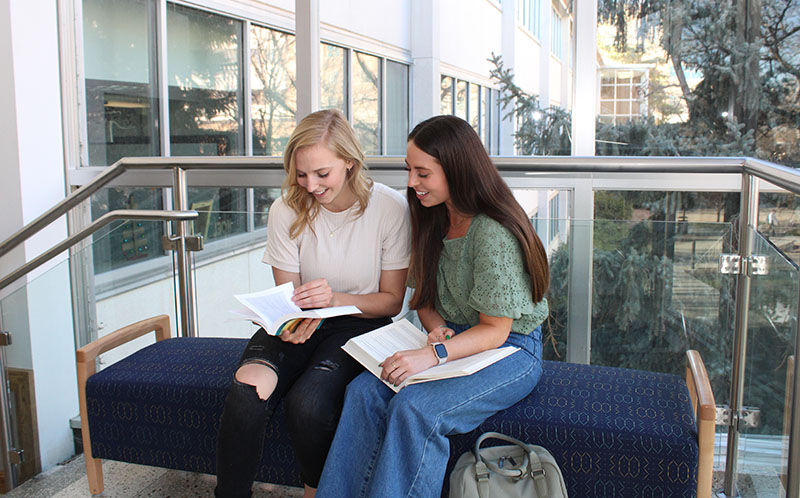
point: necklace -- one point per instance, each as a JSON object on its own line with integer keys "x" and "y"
{"x": 333, "y": 230}
{"x": 464, "y": 220}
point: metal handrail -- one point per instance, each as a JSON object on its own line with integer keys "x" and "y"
{"x": 779, "y": 175}
{"x": 120, "y": 214}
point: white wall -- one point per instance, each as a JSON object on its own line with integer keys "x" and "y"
{"x": 32, "y": 180}
{"x": 470, "y": 32}
{"x": 381, "y": 21}
{"x": 527, "y": 74}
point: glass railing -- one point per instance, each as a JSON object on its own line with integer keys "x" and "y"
{"x": 655, "y": 290}
{"x": 47, "y": 316}
{"x": 770, "y": 344}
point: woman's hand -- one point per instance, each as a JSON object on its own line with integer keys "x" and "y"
{"x": 440, "y": 334}
{"x": 401, "y": 365}
{"x": 314, "y": 294}
{"x": 302, "y": 332}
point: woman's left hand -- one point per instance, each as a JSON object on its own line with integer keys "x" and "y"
{"x": 314, "y": 294}
{"x": 401, "y": 365}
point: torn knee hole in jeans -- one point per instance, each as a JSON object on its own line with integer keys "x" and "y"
{"x": 327, "y": 366}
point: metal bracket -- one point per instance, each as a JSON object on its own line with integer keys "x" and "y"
{"x": 731, "y": 264}
{"x": 749, "y": 417}
{"x": 16, "y": 456}
{"x": 193, "y": 242}
{"x": 5, "y": 338}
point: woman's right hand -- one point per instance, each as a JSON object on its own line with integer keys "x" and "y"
{"x": 314, "y": 294}
{"x": 302, "y": 332}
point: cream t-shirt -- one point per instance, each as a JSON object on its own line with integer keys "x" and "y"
{"x": 349, "y": 251}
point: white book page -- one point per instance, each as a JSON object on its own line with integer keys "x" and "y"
{"x": 463, "y": 366}
{"x": 271, "y": 304}
{"x": 385, "y": 341}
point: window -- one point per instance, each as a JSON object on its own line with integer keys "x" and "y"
{"x": 476, "y": 104}
{"x": 623, "y": 94}
{"x": 366, "y": 102}
{"x": 333, "y": 78}
{"x": 447, "y": 95}
{"x": 205, "y": 84}
{"x": 556, "y": 34}
{"x": 122, "y": 103}
{"x": 528, "y": 13}
{"x": 396, "y": 107}
{"x": 273, "y": 100}
{"x": 207, "y": 72}
{"x": 554, "y": 215}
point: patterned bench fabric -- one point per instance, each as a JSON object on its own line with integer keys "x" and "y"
{"x": 614, "y": 432}
{"x": 161, "y": 406}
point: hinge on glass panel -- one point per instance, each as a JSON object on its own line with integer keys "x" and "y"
{"x": 193, "y": 242}
{"x": 16, "y": 456}
{"x": 749, "y": 417}
{"x": 731, "y": 264}
{"x": 5, "y": 338}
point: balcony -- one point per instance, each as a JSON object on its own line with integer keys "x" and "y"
{"x": 643, "y": 251}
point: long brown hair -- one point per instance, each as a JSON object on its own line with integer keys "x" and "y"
{"x": 331, "y": 128}
{"x": 475, "y": 188}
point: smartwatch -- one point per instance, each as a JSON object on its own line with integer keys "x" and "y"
{"x": 440, "y": 351}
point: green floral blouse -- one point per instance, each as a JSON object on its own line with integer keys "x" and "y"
{"x": 484, "y": 272}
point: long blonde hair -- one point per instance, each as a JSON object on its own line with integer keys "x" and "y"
{"x": 328, "y": 127}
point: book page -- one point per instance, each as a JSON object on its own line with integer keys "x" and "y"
{"x": 463, "y": 366}
{"x": 385, "y": 341}
{"x": 271, "y": 304}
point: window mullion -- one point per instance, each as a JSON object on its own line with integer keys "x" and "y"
{"x": 246, "y": 117}
{"x": 162, "y": 77}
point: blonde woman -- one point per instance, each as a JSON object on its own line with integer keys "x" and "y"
{"x": 342, "y": 240}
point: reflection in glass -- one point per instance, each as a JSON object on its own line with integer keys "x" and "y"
{"x": 219, "y": 211}
{"x": 274, "y": 96}
{"x": 474, "y": 107}
{"x": 461, "y": 99}
{"x": 121, "y": 99}
{"x": 263, "y": 198}
{"x": 333, "y": 84}
{"x": 204, "y": 54}
{"x": 131, "y": 241}
{"x": 366, "y": 102}
{"x": 447, "y": 95}
{"x": 396, "y": 107}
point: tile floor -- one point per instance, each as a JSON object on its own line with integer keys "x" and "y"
{"x": 124, "y": 480}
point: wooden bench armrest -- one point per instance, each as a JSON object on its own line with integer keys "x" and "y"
{"x": 705, "y": 412}
{"x": 87, "y": 365}
{"x": 158, "y": 324}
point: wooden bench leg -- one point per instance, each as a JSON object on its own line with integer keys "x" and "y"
{"x": 86, "y": 366}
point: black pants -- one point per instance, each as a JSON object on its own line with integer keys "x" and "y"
{"x": 312, "y": 378}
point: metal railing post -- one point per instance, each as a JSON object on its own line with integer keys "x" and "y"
{"x": 748, "y": 219}
{"x": 186, "y": 297}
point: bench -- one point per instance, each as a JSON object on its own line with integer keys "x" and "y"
{"x": 614, "y": 432}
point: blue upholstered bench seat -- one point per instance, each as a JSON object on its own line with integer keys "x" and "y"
{"x": 614, "y": 432}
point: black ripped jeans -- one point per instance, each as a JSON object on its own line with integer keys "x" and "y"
{"x": 312, "y": 378}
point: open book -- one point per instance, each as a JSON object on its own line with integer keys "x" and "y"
{"x": 274, "y": 310}
{"x": 372, "y": 348}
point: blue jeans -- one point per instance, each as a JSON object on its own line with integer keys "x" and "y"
{"x": 395, "y": 445}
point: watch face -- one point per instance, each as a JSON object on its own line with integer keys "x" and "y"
{"x": 441, "y": 351}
